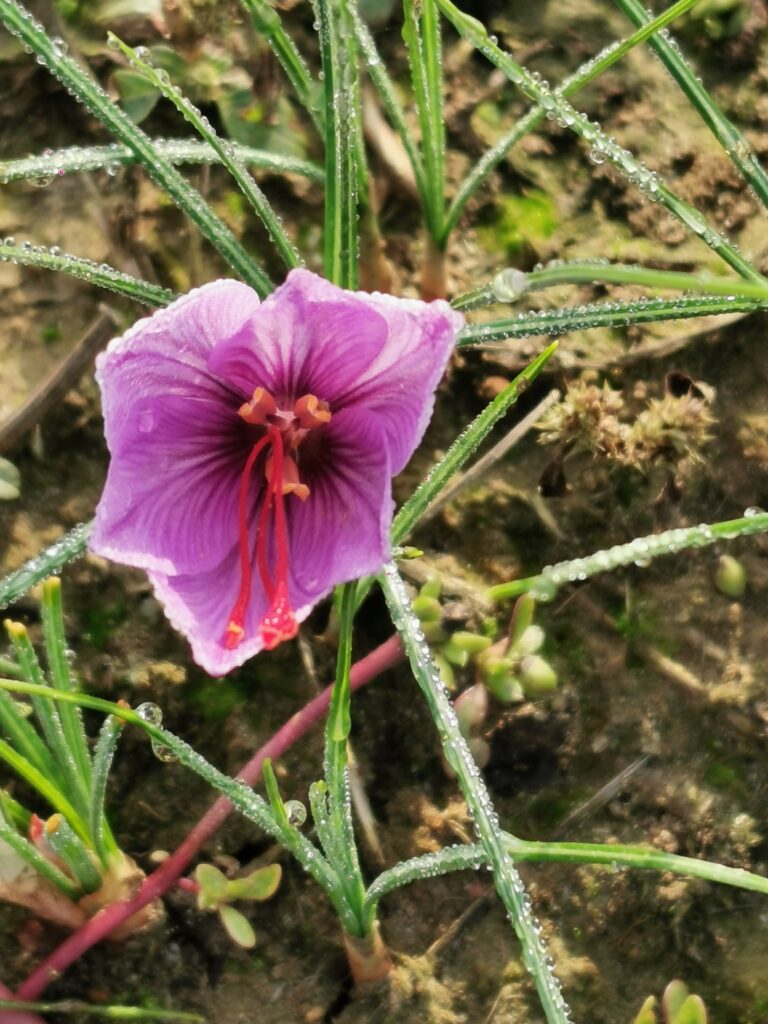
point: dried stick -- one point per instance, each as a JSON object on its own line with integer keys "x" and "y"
{"x": 63, "y": 378}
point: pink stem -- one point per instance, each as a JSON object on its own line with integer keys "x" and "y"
{"x": 384, "y": 657}
{"x": 16, "y": 1016}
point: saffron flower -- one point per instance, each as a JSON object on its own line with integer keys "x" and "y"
{"x": 252, "y": 449}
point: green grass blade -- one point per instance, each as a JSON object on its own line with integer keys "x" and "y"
{"x": 242, "y": 797}
{"x": 472, "y": 856}
{"x": 386, "y": 90}
{"x": 508, "y": 883}
{"x": 44, "y": 784}
{"x": 32, "y": 856}
{"x": 341, "y": 170}
{"x": 76, "y": 159}
{"x": 101, "y": 274}
{"x": 463, "y": 447}
{"x": 23, "y": 737}
{"x": 422, "y": 48}
{"x": 553, "y": 102}
{"x": 48, "y": 561}
{"x": 47, "y": 714}
{"x": 641, "y": 550}
{"x": 603, "y": 314}
{"x": 58, "y": 665}
{"x": 588, "y": 71}
{"x": 337, "y": 728}
{"x": 21, "y": 24}
{"x": 267, "y": 22}
{"x": 83, "y": 1011}
{"x": 733, "y": 141}
{"x": 511, "y": 284}
{"x": 224, "y": 150}
{"x": 101, "y": 837}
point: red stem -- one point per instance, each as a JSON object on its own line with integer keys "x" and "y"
{"x": 383, "y": 657}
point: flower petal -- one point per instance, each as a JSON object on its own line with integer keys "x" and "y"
{"x": 177, "y": 444}
{"x": 342, "y": 531}
{"x": 199, "y": 606}
{"x": 348, "y": 348}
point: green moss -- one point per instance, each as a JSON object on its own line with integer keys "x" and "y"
{"x": 522, "y": 220}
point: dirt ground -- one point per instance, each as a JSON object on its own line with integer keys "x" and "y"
{"x": 656, "y": 665}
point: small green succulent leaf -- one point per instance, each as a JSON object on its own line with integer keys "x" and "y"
{"x": 237, "y": 927}
{"x": 675, "y": 994}
{"x": 213, "y": 886}
{"x": 10, "y": 481}
{"x": 692, "y": 1011}
{"x": 259, "y": 885}
{"x": 647, "y": 1014}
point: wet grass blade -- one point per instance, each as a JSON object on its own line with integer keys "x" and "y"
{"x": 508, "y": 883}
{"x": 224, "y": 150}
{"x": 641, "y": 550}
{"x": 341, "y": 169}
{"x": 32, "y": 856}
{"x": 267, "y": 22}
{"x": 104, "y": 751}
{"x": 21, "y": 24}
{"x": 48, "y": 561}
{"x": 61, "y": 677}
{"x": 588, "y": 72}
{"x": 463, "y": 447}
{"x": 44, "y": 784}
{"x": 100, "y": 274}
{"x": 76, "y": 159}
{"x": 733, "y": 141}
{"x": 603, "y": 314}
{"x": 553, "y": 102}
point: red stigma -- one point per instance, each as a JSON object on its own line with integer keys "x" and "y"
{"x": 284, "y": 433}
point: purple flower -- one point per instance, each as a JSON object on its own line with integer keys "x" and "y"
{"x": 253, "y": 446}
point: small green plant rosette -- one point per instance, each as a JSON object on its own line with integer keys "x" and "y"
{"x": 217, "y": 892}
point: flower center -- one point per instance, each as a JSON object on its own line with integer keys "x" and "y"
{"x": 284, "y": 433}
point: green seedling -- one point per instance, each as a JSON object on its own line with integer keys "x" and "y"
{"x": 217, "y": 892}
{"x": 678, "y": 1006}
{"x": 731, "y": 577}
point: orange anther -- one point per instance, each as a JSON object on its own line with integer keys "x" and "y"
{"x": 311, "y": 412}
{"x": 259, "y": 409}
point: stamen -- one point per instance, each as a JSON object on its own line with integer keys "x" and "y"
{"x": 234, "y": 632}
{"x": 279, "y": 623}
{"x": 259, "y": 409}
{"x": 311, "y": 412}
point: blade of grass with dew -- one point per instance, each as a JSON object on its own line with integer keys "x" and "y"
{"x": 267, "y": 22}
{"x": 464, "y": 445}
{"x": 587, "y": 72}
{"x": 32, "y": 856}
{"x": 61, "y": 677}
{"x": 103, "y": 753}
{"x": 641, "y": 550}
{"x": 10, "y": 668}
{"x": 602, "y": 314}
{"x": 337, "y": 728}
{"x": 472, "y": 857}
{"x": 42, "y": 783}
{"x": 100, "y": 274}
{"x": 422, "y": 49}
{"x": 242, "y": 797}
{"x": 510, "y": 285}
{"x": 23, "y": 737}
{"x": 20, "y": 23}
{"x": 386, "y": 90}
{"x": 341, "y": 171}
{"x": 76, "y": 159}
{"x": 47, "y": 714}
{"x": 733, "y": 141}
{"x": 224, "y": 150}
{"x": 508, "y": 883}
{"x": 625, "y": 162}
{"x": 52, "y": 558}
{"x": 115, "y": 1012}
